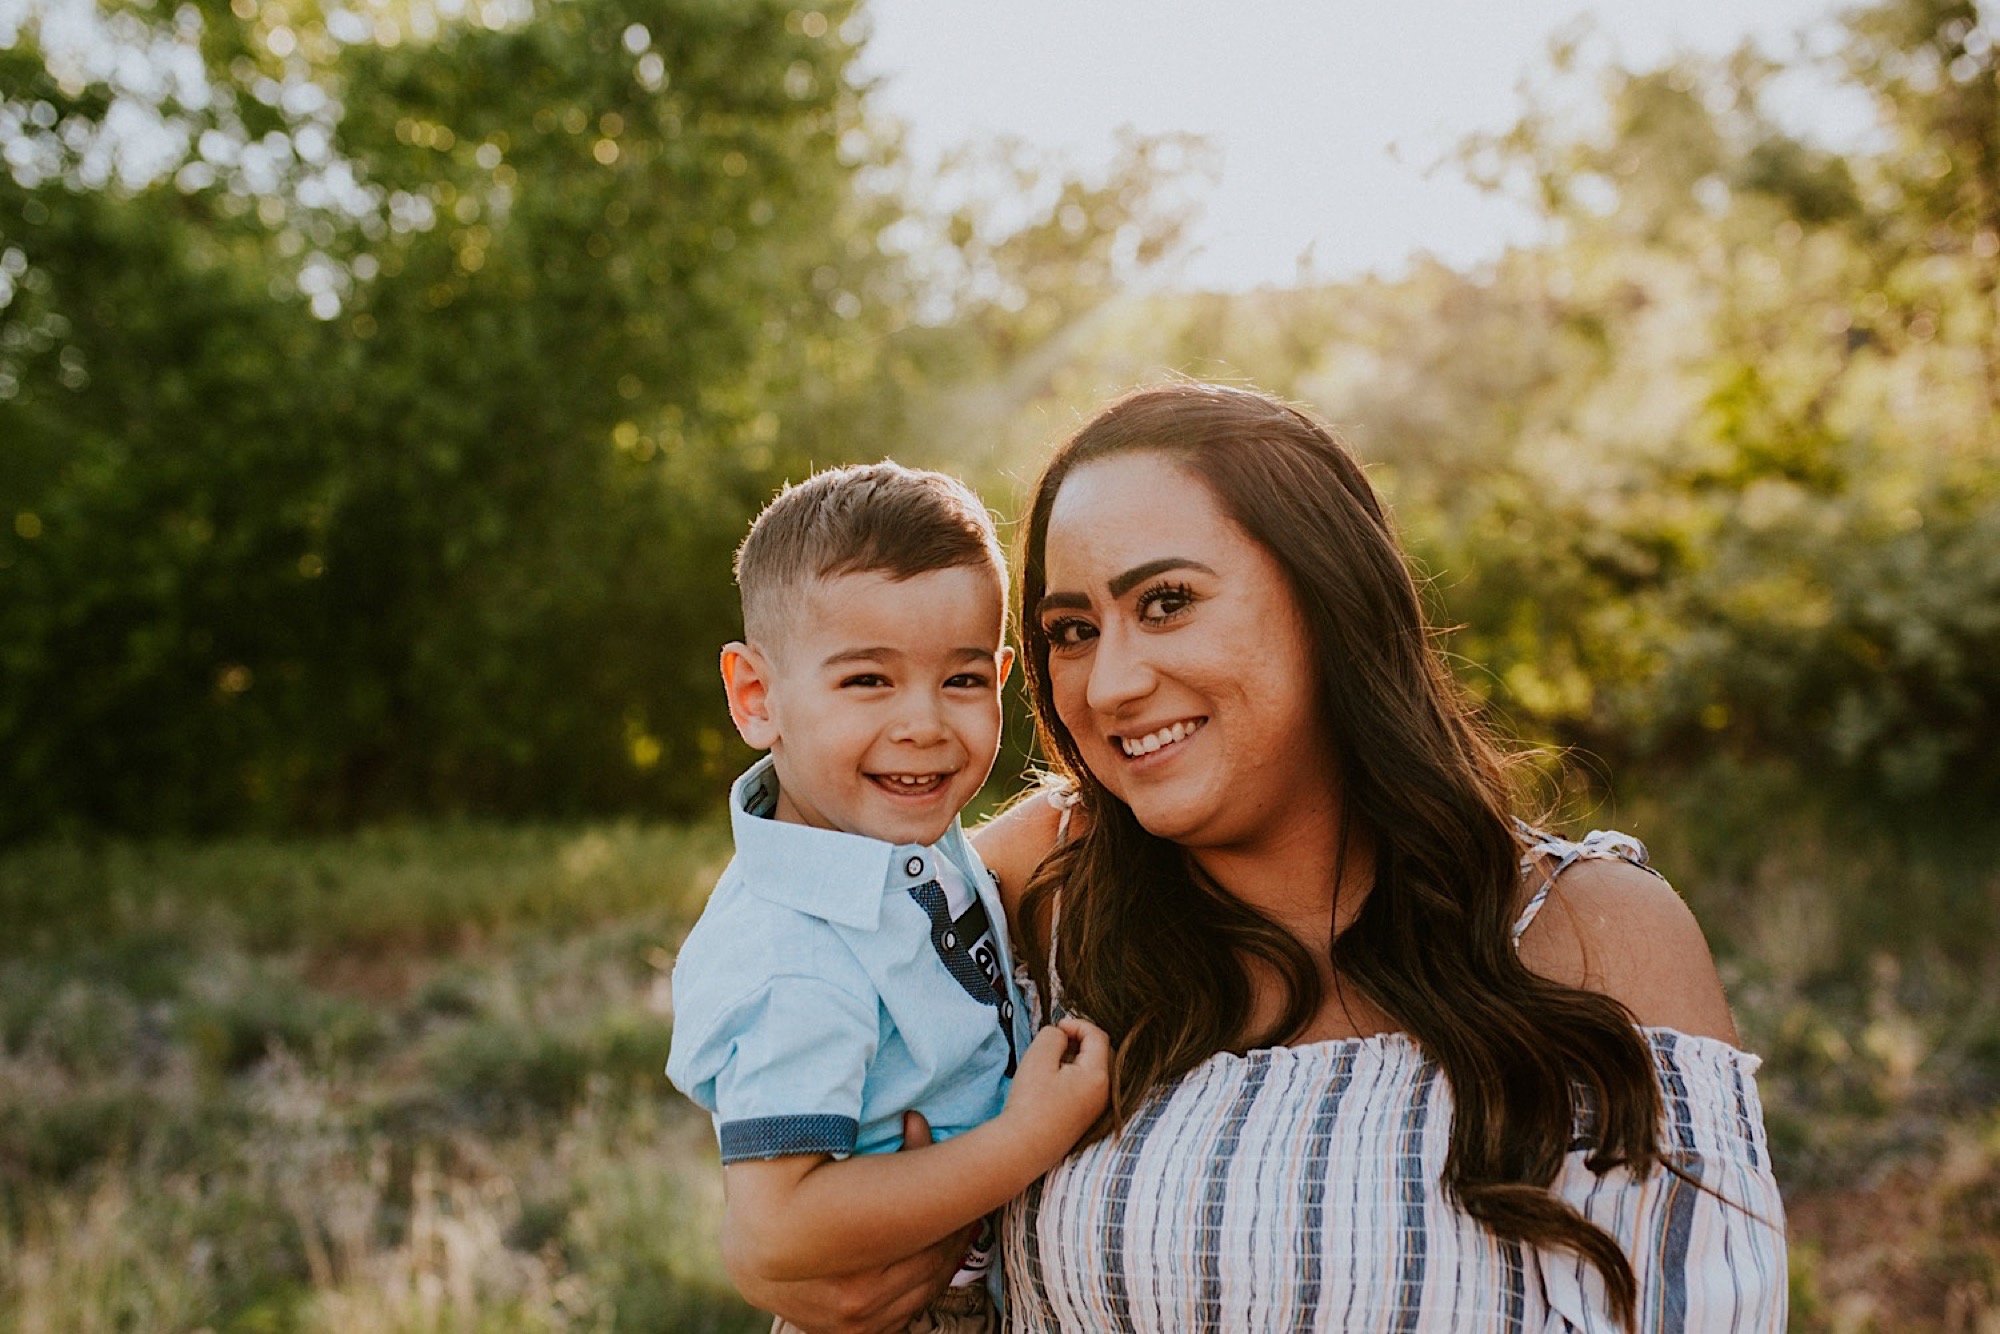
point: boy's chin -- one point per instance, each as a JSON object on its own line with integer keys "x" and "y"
{"x": 893, "y": 826}
{"x": 923, "y": 833}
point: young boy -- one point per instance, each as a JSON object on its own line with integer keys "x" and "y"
{"x": 852, "y": 963}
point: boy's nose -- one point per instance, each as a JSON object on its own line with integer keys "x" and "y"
{"x": 922, "y": 723}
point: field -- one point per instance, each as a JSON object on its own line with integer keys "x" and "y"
{"x": 410, "y": 1079}
{"x": 405, "y": 1081}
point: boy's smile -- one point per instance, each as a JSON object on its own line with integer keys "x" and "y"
{"x": 880, "y": 701}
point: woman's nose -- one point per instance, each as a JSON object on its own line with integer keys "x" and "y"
{"x": 1119, "y": 674}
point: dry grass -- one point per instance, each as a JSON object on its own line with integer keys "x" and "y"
{"x": 219, "y": 1111}
{"x": 411, "y": 1081}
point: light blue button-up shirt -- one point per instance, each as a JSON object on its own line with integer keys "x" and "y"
{"x": 827, "y": 989}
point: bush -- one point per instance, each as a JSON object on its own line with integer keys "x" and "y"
{"x": 241, "y": 1021}
{"x": 503, "y": 1069}
{"x": 63, "y": 1139}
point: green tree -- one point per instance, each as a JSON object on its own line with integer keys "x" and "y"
{"x": 1760, "y": 518}
{"x": 1713, "y": 474}
{"x": 384, "y": 448}
{"x": 384, "y": 396}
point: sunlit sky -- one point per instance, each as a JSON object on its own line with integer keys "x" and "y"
{"x": 1334, "y": 118}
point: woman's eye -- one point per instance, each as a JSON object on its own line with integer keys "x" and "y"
{"x": 1069, "y": 632}
{"x": 967, "y": 681}
{"x": 863, "y": 680}
{"x": 1164, "y": 602}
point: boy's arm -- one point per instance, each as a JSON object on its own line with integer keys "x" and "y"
{"x": 810, "y": 1216}
{"x": 879, "y": 1300}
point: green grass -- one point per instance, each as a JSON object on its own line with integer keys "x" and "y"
{"x": 410, "y": 1079}
{"x": 405, "y": 1080}
{"x": 113, "y": 905}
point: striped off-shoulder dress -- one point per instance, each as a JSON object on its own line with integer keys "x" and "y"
{"x": 1299, "y": 1188}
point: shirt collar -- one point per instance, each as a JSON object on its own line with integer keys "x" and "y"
{"x": 823, "y": 872}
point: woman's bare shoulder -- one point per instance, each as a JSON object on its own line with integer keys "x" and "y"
{"x": 1014, "y": 842}
{"x": 1616, "y": 928}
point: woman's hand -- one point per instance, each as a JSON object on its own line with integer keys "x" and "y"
{"x": 871, "y": 1301}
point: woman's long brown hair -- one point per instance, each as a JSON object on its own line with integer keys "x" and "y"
{"x": 1159, "y": 955}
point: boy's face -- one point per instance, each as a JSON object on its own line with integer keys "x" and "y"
{"x": 880, "y": 701}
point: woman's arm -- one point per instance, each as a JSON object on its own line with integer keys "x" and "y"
{"x": 1706, "y": 1241}
{"x": 1611, "y": 927}
{"x": 1013, "y": 843}
{"x": 873, "y": 1301}
{"x": 865, "y": 1301}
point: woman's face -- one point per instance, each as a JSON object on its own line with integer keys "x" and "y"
{"x": 1178, "y": 660}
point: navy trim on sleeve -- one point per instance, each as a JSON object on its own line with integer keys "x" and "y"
{"x": 779, "y": 1136}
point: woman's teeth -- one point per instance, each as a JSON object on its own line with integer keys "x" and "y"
{"x": 1166, "y": 736}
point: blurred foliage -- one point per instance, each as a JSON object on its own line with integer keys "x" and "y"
{"x": 1751, "y": 503}
{"x": 364, "y": 451}
{"x": 384, "y": 391}
{"x": 287, "y": 1121}
{"x": 218, "y": 1110}
{"x": 1713, "y": 475}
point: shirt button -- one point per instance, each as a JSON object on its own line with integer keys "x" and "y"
{"x": 1006, "y": 1009}
{"x": 950, "y": 941}
{"x": 914, "y": 866}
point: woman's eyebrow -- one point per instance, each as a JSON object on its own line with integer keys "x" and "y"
{"x": 1121, "y": 584}
{"x": 1124, "y": 583}
{"x": 1062, "y": 602}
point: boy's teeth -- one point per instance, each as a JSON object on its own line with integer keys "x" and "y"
{"x": 1152, "y": 741}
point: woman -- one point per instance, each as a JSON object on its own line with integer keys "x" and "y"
{"x": 1385, "y": 1059}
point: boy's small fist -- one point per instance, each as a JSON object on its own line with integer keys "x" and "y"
{"x": 1089, "y": 1046}
{"x": 1063, "y": 1083}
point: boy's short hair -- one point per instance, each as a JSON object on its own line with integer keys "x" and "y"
{"x": 867, "y": 518}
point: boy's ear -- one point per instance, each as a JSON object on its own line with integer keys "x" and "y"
{"x": 1005, "y": 662}
{"x": 746, "y": 680}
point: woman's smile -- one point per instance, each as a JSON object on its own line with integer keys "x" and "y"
{"x": 1139, "y": 745}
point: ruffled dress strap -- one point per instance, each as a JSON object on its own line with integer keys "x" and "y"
{"x": 1598, "y": 843}
{"x": 1064, "y": 800}
{"x": 1064, "y": 796}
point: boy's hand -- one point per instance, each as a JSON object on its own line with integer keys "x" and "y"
{"x": 1062, "y": 1086}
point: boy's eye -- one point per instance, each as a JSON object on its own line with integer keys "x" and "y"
{"x": 1069, "y": 631}
{"x": 968, "y": 681}
{"x": 863, "y": 680}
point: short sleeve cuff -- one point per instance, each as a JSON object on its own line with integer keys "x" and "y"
{"x": 781, "y": 1136}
